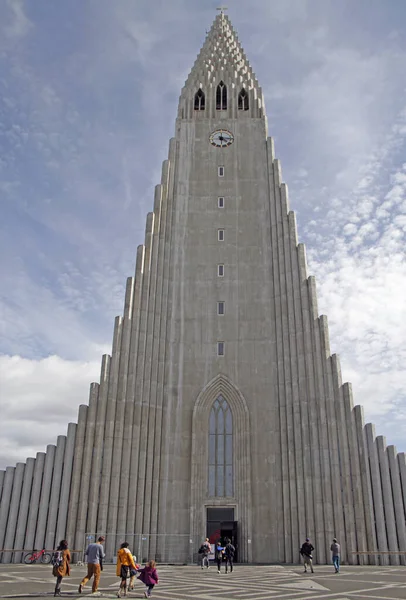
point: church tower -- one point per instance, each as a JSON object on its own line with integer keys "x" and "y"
{"x": 221, "y": 409}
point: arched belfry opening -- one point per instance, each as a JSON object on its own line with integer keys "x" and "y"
{"x": 200, "y": 100}
{"x": 221, "y": 460}
{"x": 221, "y": 96}
{"x": 243, "y": 101}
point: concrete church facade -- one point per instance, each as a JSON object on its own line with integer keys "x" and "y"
{"x": 220, "y": 407}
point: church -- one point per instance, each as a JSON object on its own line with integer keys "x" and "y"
{"x": 221, "y": 411}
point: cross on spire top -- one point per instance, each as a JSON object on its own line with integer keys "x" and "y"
{"x": 222, "y": 9}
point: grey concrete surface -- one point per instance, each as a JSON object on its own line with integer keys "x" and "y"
{"x": 246, "y": 582}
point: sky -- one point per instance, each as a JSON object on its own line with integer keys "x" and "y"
{"x": 88, "y": 100}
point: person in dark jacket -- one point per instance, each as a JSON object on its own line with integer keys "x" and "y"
{"x": 306, "y": 551}
{"x": 149, "y": 576}
{"x": 218, "y": 555}
{"x": 229, "y": 552}
{"x": 62, "y": 569}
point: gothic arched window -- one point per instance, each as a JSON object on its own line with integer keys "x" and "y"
{"x": 243, "y": 103}
{"x": 221, "y": 96}
{"x": 220, "y": 449}
{"x": 200, "y": 102}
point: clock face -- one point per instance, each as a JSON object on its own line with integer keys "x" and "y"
{"x": 221, "y": 138}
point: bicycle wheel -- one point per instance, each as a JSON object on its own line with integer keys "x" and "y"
{"x": 29, "y": 558}
{"x": 46, "y": 558}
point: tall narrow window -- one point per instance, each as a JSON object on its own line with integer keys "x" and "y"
{"x": 220, "y": 235}
{"x": 221, "y": 202}
{"x": 220, "y": 270}
{"x": 220, "y": 308}
{"x": 220, "y": 449}
{"x": 221, "y": 171}
{"x": 220, "y": 348}
{"x": 200, "y": 101}
{"x": 243, "y": 103}
{"x": 221, "y": 96}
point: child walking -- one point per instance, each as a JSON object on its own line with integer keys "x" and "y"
{"x": 126, "y": 568}
{"x": 149, "y": 576}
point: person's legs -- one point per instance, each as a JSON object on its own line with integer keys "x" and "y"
{"x": 219, "y": 564}
{"x": 96, "y": 577}
{"x": 231, "y": 563}
{"x": 88, "y": 576}
{"x": 311, "y": 564}
{"x": 305, "y": 562}
{"x": 58, "y": 586}
{"x": 150, "y": 588}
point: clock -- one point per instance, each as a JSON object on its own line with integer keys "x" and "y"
{"x": 221, "y": 138}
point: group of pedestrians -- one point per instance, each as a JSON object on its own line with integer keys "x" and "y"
{"x": 307, "y": 554}
{"x": 127, "y": 568}
{"x": 221, "y": 554}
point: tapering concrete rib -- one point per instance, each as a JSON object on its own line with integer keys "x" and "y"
{"x": 86, "y": 474}
{"x": 5, "y": 502}
{"x": 120, "y": 416}
{"x": 50, "y": 541}
{"x": 76, "y": 473}
{"x": 397, "y": 501}
{"x": 402, "y": 471}
{"x": 2, "y": 474}
{"x": 13, "y": 512}
{"x": 167, "y": 183}
{"x": 102, "y": 514}
{"x": 347, "y": 540}
{"x": 134, "y": 416}
{"x": 377, "y": 493}
{"x": 93, "y": 500}
{"x": 66, "y": 482}
{"x": 371, "y": 543}
{"x": 277, "y": 253}
{"x": 143, "y": 402}
{"x": 23, "y": 509}
{"x": 44, "y": 499}
{"x": 34, "y": 501}
{"x": 387, "y": 499}
{"x": 151, "y": 364}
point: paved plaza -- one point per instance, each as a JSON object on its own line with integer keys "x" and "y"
{"x": 247, "y": 582}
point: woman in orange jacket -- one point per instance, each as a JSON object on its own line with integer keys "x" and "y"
{"x": 126, "y": 567}
{"x": 61, "y": 565}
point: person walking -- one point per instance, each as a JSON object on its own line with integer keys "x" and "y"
{"x": 125, "y": 568}
{"x": 61, "y": 565}
{"x": 336, "y": 550}
{"x": 218, "y": 555}
{"x": 306, "y": 551}
{"x": 95, "y": 555}
{"x": 229, "y": 552}
{"x": 205, "y": 550}
{"x": 149, "y": 576}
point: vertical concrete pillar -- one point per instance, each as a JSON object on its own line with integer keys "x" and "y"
{"x": 34, "y": 502}
{"x": 109, "y": 430}
{"x": 387, "y": 499}
{"x": 2, "y": 474}
{"x": 86, "y": 475}
{"x": 397, "y": 501}
{"x": 382, "y": 540}
{"x": 13, "y": 511}
{"x": 66, "y": 483}
{"x": 24, "y": 506}
{"x": 76, "y": 474}
{"x": 50, "y": 541}
{"x": 402, "y": 471}
{"x": 97, "y": 460}
{"x": 366, "y": 486}
{"x": 44, "y": 499}
{"x": 5, "y": 502}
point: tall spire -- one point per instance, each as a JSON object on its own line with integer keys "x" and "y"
{"x": 222, "y": 58}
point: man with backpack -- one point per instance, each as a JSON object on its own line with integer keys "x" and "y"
{"x": 306, "y": 551}
{"x": 229, "y": 552}
{"x": 204, "y": 551}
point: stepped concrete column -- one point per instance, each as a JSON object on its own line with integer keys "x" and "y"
{"x": 44, "y": 500}
{"x": 66, "y": 482}
{"x": 34, "y": 501}
{"x": 397, "y": 501}
{"x": 13, "y": 511}
{"x": 402, "y": 471}
{"x": 50, "y": 541}
{"x": 24, "y": 506}
{"x": 76, "y": 474}
{"x": 387, "y": 499}
{"x": 5, "y": 502}
{"x": 2, "y": 473}
{"x": 382, "y": 540}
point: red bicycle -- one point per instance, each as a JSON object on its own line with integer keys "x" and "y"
{"x": 32, "y": 557}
